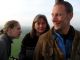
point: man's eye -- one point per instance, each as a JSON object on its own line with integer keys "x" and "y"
{"x": 60, "y": 14}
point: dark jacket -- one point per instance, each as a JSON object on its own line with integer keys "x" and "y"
{"x": 47, "y": 49}
{"x": 27, "y": 47}
{"x": 5, "y": 47}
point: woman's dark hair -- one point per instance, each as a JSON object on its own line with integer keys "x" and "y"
{"x": 68, "y": 6}
{"x": 9, "y": 24}
{"x": 36, "y": 19}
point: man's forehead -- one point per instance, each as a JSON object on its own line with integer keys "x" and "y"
{"x": 58, "y": 7}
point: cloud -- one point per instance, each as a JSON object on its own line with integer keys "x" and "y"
{"x": 25, "y": 10}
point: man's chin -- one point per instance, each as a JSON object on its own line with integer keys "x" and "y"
{"x": 57, "y": 28}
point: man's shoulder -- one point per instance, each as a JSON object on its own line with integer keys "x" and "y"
{"x": 77, "y": 32}
{"x": 45, "y": 35}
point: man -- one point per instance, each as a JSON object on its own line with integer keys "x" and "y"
{"x": 61, "y": 42}
{"x": 11, "y": 30}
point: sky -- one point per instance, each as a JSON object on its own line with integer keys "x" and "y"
{"x": 24, "y": 11}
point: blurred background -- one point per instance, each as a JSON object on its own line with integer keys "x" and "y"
{"x": 24, "y": 11}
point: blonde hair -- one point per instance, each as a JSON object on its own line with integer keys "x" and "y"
{"x": 10, "y": 24}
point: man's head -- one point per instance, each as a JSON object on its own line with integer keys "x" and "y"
{"x": 62, "y": 13}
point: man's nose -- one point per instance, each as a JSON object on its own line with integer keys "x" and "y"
{"x": 40, "y": 25}
{"x": 54, "y": 19}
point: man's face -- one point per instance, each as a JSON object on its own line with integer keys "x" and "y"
{"x": 60, "y": 18}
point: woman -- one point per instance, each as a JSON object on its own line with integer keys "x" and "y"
{"x": 39, "y": 26}
{"x": 10, "y": 31}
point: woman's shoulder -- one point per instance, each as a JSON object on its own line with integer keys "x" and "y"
{"x": 27, "y": 37}
{"x": 2, "y": 39}
{"x": 3, "y": 36}
{"x": 27, "y": 34}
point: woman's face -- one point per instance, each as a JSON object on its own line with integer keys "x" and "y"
{"x": 40, "y": 26}
{"x": 16, "y": 31}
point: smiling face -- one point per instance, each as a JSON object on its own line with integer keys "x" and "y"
{"x": 60, "y": 18}
{"x": 40, "y": 25}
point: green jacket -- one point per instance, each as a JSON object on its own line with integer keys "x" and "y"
{"x": 46, "y": 47}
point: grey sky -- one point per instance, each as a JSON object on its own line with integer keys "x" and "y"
{"x": 25, "y": 10}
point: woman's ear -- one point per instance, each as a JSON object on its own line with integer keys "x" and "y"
{"x": 9, "y": 30}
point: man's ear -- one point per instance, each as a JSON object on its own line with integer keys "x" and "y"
{"x": 70, "y": 15}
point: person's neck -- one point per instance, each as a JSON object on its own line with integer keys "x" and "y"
{"x": 65, "y": 30}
